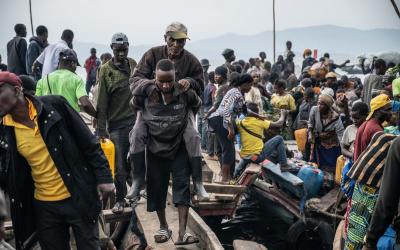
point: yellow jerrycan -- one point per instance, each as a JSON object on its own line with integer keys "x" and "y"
{"x": 109, "y": 150}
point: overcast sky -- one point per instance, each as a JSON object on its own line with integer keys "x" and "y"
{"x": 144, "y": 21}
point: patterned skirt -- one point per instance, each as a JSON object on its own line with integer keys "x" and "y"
{"x": 362, "y": 206}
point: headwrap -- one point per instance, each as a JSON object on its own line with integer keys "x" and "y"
{"x": 10, "y": 78}
{"x": 378, "y": 102}
{"x": 328, "y": 91}
{"x": 326, "y": 99}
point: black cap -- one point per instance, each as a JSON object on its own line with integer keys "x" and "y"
{"x": 68, "y": 54}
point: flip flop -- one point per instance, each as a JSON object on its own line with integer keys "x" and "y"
{"x": 187, "y": 239}
{"x": 118, "y": 208}
{"x": 162, "y": 235}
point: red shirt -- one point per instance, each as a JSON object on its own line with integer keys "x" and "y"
{"x": 364, "y": 135}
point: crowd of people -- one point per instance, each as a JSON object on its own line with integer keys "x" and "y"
{"x": 164, "y": 112}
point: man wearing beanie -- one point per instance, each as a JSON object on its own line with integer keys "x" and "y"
{"x": 52, "y": 169}
{"x": 115, "y": 118}
{"x": 229, "y": 56}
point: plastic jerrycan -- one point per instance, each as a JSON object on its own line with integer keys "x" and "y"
{"x": 312, "y": 178}
{"x": 109, "y": 150}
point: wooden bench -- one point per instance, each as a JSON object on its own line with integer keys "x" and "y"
{"x": 285, "y": 180}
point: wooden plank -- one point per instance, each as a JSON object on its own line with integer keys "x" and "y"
{"x": 109, "y": 216}
{"x": 207, "y": 173}
{"x": 328, "y": 200}
{"x": 224, "y": 188}
{"x": 223, "y": 197}
{"x": 212, "y": 164}
{"x": 244, "y": 244}
{"x": 149, "y": 223}
{"x": 203, "y": 231}
{"x": 196, "y": 226}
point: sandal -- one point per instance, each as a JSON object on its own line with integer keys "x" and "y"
{"x": 187, "y": 240}
{"x": 118, "y": 208}
{"x": 162, "y": 235}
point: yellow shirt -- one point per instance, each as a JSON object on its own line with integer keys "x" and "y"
{"x": 283, "y": 102}
{"x": 48, "y": 183}
{"x": 251, "y": 145}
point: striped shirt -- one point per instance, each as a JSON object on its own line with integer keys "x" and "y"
{"x": 230, "y": 107}
{"x": 368, "y": 169}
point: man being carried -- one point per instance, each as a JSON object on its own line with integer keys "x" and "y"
{"x": 251, "y": 130}
{"x": 165, "y": 108}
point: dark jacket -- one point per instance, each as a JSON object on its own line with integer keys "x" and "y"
{"x": 113, "y": 110}
{"x": 76, "y": 154}
{"x": 165, "y": 122}
{"x": 35, "y": 48}
{"x": 16, "y": 55}
{"x": 187, "y": 66}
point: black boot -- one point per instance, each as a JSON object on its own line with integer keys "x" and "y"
{"x": 197, "y": 175}
{"x": 138, "y": 169}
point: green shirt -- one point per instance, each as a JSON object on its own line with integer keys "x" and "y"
{"x": 114, "y": 95}
{"x": 65, "y": 83}
{"x": 396, "y": 87}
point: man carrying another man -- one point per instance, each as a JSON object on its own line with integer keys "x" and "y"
{"x": 165, "y": 108}
{"x": 189, "y": 75}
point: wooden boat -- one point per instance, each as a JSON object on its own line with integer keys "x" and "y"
{"x": 222, "y": 203}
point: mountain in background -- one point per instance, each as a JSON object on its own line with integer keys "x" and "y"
{"x": 341, "y": 42}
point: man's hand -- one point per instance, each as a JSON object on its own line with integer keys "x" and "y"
{"x": 184, "y": 84}
{"x": 104, "y": 189}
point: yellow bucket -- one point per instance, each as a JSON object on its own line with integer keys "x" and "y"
{"x": 301, "y": 139}
{"x": 109, "y": 150}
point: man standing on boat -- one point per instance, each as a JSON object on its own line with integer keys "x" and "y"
{"x": 164, "y": 107}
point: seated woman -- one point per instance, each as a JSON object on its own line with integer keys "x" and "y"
{"x": 222, "y": 122}
{"x": 251, "y": 130}
{"x": 325, "y": 130}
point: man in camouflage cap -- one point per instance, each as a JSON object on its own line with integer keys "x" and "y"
{"x": 188, "y": 75}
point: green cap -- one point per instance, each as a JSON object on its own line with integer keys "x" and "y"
{"x": 177, "y": 31}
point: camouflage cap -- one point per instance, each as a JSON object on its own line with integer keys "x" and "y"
{"x": 177, "y": 31}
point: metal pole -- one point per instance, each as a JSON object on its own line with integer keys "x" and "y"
{"x": 30, "y": 12}
{"x": 273, "y": 22}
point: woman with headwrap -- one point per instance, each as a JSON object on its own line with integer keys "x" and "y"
{"x": 325, "y": 130}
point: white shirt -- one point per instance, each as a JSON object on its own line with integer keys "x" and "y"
{"x": 49, "y": 56}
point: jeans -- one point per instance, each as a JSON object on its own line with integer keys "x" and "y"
{"x": 273, "y": 146}
{"x": 120, "y": 138}
{"x": 53, "y": 219}
{"x": 89, "y": 84}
